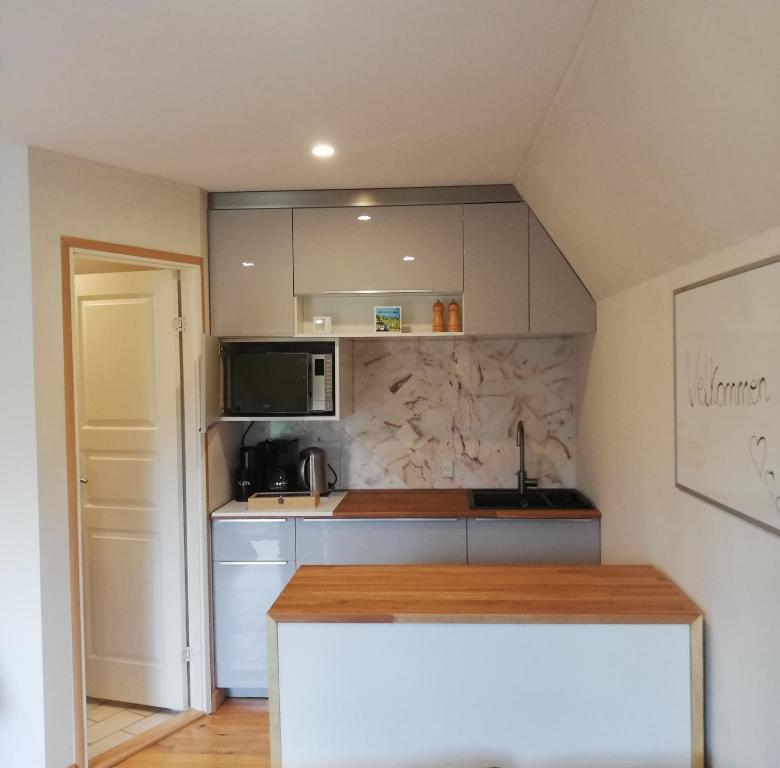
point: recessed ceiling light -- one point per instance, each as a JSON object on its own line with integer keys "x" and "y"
{"x": 407, "y": 257}
{"x": 322, "y": 150}
{"x": 364, "y": 217}
{"x": 247, "y": 263}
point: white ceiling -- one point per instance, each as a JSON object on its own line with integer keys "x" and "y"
{"x": 231, "y": 95}
{"x": 663, "y": 144}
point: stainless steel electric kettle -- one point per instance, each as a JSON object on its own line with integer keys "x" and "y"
{"x": 313, "y": 470}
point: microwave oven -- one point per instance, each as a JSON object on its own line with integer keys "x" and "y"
{"x": 277, "y": 379}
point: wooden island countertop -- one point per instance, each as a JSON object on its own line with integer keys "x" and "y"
{"x": 513, "y": 594}
{"x": 433, "y": 503}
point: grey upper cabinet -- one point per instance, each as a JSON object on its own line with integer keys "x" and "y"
{"x": 335, "y": 251}
{"x": 560, "y": 303}
{"x": 251, "y": 300}
{"x": 495, "y": 266}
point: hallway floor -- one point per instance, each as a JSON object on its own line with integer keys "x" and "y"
{"x": 236, "y": 736}
{"x": 110, "y": 723}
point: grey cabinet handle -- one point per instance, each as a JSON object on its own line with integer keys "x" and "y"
{"x": 380, "y": 519}
{"x": 370, "y": 291}
{"x": 252, "y": 562}
{"x": 530, "y": 519}
{"x": 250, "y": 519}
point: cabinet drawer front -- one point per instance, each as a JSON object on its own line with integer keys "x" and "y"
{"x": 243, "y": 593}
{"x": 380, "y": 542}
{"x": 534, "y": 541}
{"x": 253, "y": 540}
{"x": 334, "y": 251}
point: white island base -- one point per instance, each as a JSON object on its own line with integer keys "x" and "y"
{"x": 473, "y": 695}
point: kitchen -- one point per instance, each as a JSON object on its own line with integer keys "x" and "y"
{"x": 582, "y": 354}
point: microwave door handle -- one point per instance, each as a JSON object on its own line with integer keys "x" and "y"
{"x": 309, "y": 384}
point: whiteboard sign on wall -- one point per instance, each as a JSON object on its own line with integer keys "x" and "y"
{"x": 727, "y": 391}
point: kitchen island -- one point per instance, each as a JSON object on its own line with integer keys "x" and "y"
{"x": 433, "y": 666}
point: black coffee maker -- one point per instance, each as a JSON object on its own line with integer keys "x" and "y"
{"x": 271, "y": 466}
{"x": 279, "y": 459}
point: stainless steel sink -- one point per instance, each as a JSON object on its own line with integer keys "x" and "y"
{"x": 539, "y": 498}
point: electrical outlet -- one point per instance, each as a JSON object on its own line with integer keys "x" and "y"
{"x": 447, "y": 470}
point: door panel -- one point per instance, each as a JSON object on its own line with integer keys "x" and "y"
{"x": 131, "y": 492}
{"x": 117, "y": 362}
{"x": 120, "y": 480}
{"x": 111, "y": 556}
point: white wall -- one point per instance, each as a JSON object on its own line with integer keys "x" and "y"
{"x": 88, "y": 200}
{"x": 625, "y": 450}
{"x": 21, "y": 670}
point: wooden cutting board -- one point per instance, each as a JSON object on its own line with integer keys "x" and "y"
{"x": 263, "y": 501}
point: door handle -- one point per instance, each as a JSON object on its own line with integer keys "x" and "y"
{"x": 83, "y": 480}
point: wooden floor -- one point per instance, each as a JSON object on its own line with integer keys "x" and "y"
{"x": 234, "y": 737}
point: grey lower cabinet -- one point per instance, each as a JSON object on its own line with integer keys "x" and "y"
{"x": 254, "y": 559}
{"x": 252, "y": 562}
{"x": 534, "y": 541}
{"x": 380, "y": 542}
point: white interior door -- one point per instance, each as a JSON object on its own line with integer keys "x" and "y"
{"x": 131, "y": 487}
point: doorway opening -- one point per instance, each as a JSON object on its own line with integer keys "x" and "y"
{"x": 136, "y": 480}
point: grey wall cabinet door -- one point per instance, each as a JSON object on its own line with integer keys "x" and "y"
{"x": 495, "y": 268}
{"x": 335, "y": 251}
{"x": 253, "y": 560}
{"x": 534, "y": 541}
{"x": 251, "y": 300}
{"x": 560, "y": 303}
{"x": 243, "y": 593}
{"x": 380, "y": 542}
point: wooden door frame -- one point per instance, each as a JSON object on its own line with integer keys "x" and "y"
{"x": 191, "y": 268}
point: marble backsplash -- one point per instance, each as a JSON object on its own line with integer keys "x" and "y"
{"x": 419, "y": 403}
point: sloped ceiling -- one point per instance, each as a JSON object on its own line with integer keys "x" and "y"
{"x": 232, "y": 95}
{"x": 663, "y": 143}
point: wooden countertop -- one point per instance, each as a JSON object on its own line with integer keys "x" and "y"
{"x": 513, "y": 594}
{"x": 439, "y": 503}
